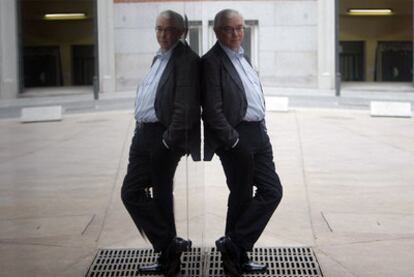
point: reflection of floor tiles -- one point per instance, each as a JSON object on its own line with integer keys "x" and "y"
{"x": 371, "y": 223}
{"x": 44, "y": 226}
{"x": 282, "y": 262}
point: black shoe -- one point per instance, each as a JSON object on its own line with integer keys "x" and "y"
{"x": 173, "y": 256}
{"x": 230, "y": 256}
{"x": 253, "y": 267}
{"x": 169, "y": 262}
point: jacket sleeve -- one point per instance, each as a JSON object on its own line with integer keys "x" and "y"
{"x": 186, "y": 104}
{"x": 212, "y": 102}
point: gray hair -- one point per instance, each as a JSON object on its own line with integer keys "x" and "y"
{"x": 176, "y": 18}
{"x": 221, "y": 15}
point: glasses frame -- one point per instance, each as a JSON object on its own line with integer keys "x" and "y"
{"x": 230, "y": 30}
{"x": 168, "y": 30}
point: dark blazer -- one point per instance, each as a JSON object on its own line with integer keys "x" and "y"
{"x": 223, "y": 100}
{"x": 177, "y": 102}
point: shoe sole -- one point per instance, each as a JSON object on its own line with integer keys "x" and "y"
{"x": 141, "y": 270}
{"x": 254, "y": 271}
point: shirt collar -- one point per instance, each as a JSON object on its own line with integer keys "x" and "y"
{"x": 162, "y": 54}
{"x": 231, "y": 53}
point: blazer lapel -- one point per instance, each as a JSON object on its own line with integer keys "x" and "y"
{"x": 170, "y": 65}
{"x": 166, "y": 73}
{"x": 229, "y": 66}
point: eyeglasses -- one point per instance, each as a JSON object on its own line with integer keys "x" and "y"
{"x": 168, "y": 30}
{"x": 230, "y": 30}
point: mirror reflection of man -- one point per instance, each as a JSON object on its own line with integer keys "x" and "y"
{"x": 167, "y": 114}
{"x": 233, "y": 114}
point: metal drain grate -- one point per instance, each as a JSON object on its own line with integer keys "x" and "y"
{"x": 124, "y": 262}
{"x": 282, "y": 262}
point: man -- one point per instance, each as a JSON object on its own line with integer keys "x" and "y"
{"x": 233, "y": 114}
{"x": 167, "y": 113}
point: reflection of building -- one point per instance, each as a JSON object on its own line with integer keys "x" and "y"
{"x": 56, "y": 52}
{"x": 291, "y": 42}
{"x": 376, "y": 48}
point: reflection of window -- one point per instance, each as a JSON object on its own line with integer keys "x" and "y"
{"x": 42, "y": 66}
{"x": 83, "y": 64}
{"x": 352, "y": 60}
{"x": 394, "y": 61}
{"x": 194, "y": 36}
{"x": 250, "y": 41}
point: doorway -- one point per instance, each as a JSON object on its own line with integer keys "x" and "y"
{"x": 375, "y": 49}
{"x": 57, "y": 45}
{"x": 394, "y": 61}
{"x": 352, "y": 60}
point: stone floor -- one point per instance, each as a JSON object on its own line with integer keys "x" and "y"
{"x": 347, "y": 180}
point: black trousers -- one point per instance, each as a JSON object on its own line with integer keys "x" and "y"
{"x": 248, "y": 165}
{"x": 147, "y": 190}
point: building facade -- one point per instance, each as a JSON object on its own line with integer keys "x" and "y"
{"x": 291, "y": 43}
{"x": 281, "y": 38}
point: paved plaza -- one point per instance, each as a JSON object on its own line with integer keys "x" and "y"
{"x": 348, "y": 192}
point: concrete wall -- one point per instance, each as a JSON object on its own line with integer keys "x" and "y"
{"x": 8, "y": 50}
{"x": 106, "y": 42}
{"x": 287, "y": 38}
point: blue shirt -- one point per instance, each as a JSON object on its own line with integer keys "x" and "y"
{"x": 251, "y": 84}
{"x": 146, "y": 92}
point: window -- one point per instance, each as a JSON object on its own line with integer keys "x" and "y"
{"x": 42, "y": 66}
{"x": 83, "y": 64}
{"x": 352, "y": 60}
{"x": 394, "y": 61}
{"x": 195, "y": 35}
{"x": 250, "y": 42}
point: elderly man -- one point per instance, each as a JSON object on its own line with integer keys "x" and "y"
{"x": 167, "y": 114}
{"x": 233, "y": 114}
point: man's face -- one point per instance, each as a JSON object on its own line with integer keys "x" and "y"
{"x": 167, "y": 33}
{"x": 231, "y": 32}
